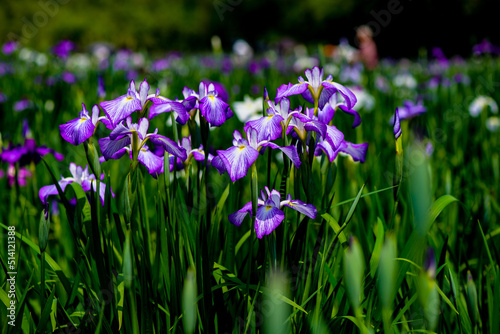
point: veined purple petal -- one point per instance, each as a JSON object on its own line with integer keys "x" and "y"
{"x": 169, "y": 145}
{"x": 95, "y": 114}
{"x": 237, "y": 217}
{"x": 110, "y": 148}
{"x": 267, "y": 127}
{"x": 334, "y": 136}
{"x": 120, "y": 108}
{"x": 267, "y": 219}
{"x": 274, "y": 197}
{"x": 151, "y": 161}
{"x": 324, "y": 96}
{"x": 77, "y": 131}
{"x": 289, "y": 90}
{"x": 214, "y": 110}
{"x": 357, "y": 118}
{"x": 307, "y": 209}
{"x": 237, "y": 160}
{"x": 356, "y": 151}
{"x": 290, "y": 151}
{"x": 326, "y": 147}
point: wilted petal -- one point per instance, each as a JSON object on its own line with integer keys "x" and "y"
{"x": 237, "y": 217}
{"x": 267, "y": 219}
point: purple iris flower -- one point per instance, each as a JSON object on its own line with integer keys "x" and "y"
{"x": 82, "y": 128}
{"x": 485, "y": 47}
{"x": 22, "y": 105}
{"x": 162, "y": 104}
{"x": 27, "y": 153}
{"x": 315, "y": 88}
{"x": 269, "y": 214}
{"x": 211, "y": 106}
{"x": 63, "y": 49}
{"x": 120, "y": 141}
{"x": 9, "y": 47}
{"x": 123, "y": 106}
{"x": 221, "y": 90}
{"x": 78, "y": 175}
{"x": 238, "y": 159}
{"x": 410, "y": 109}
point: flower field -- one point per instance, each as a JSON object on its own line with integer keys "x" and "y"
{"x": 228, "y": 193}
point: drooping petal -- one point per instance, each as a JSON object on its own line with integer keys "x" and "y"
{"x": 347, "y": 94}
{"x": 237, "y": 160}
{"x": 290, "y": 151}
{"x": 110, "y": 148}
{"x": 120, "y": 108}
{"x": 169, "y": 145}
{"x": 289, "y": 90}
{"x": 325, "y": 146}
{"x": 357, "y": 118}
{"x": 237, "y": 217}
{"x": 161, "y": 106}
{"x": 218, "y": 163}
{"x": 334, "y": 136}
{"x": 307, "y": 209}
{"x": 77, "y": 131}
{"x": 356, "y": 151}
{"x": 46, "y": 191}
{"x": 267, "y": 127}
{"x": 151, "y": 161}
{"x": 267, "y": 219}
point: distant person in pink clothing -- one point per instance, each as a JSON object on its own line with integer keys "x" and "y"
{"x": 367, "y": 48}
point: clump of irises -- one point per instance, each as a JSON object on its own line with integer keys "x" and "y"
{"x": 301, "y": 133}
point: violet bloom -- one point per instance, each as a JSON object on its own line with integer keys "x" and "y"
{"x": 238, "y": 159}
{"x": 269, "y": 214}
{"x": 27, "y": 153}
{"x": 410, "y": 110}
{"x": 211, "y": 106}
{"x": 63, "y": 49}
{"x": 197, "y": 153}
{"x": 9, "y": 47}
{"x": 82, "y": 128}
{"x": 303, "y": 123}
{"x": 78, "y": 175}
{"x": 485, "y": 47}
{"x": 121, "y": 141}
{"x": 101, "y": 92}
{"x": 317, "y": 89}
{"x": 68, "y": 77}
{"x": 22, "y": 105}
{"x": 123, "y": 106}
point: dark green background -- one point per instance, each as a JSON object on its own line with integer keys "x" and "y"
{"x": 187, "y": 25}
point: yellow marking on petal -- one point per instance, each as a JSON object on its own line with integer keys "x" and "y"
{"x": 143, "y": 149}
{"x": 291, "y": 204}
{"x": 129, "y": 98}
{"x": 269, "y": 117}
{"x": 268, "y": 207}
{"x": 241, "y": 147}
{"x": 83, "y": 119}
